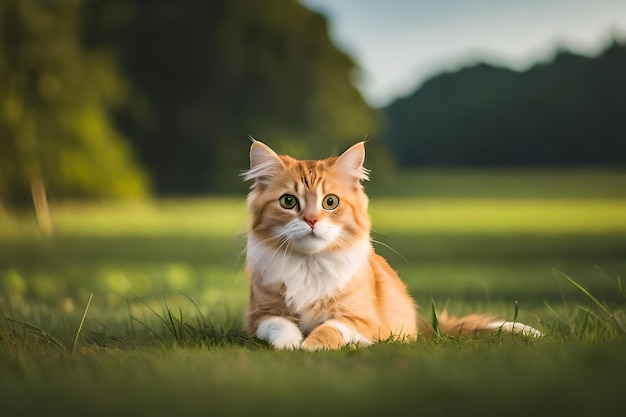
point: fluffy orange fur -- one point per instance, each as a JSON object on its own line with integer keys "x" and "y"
{"x": 315, "y": 281}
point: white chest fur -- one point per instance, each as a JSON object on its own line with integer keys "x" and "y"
{"x": 307, "y": 278}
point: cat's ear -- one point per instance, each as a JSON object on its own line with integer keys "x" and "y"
{"x": 351, "y": 162}
{"x": 264, "y": 163}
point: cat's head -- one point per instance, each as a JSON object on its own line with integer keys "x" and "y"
{"x": 308, "y": 206}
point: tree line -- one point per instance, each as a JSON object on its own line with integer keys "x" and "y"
{"x": 567, "y": 112}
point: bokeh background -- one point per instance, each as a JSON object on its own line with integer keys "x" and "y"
{"x": 118, "y": 99}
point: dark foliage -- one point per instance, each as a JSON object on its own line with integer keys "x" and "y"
{"x": 206, "y": 74}
{"x": 569, "y": 112}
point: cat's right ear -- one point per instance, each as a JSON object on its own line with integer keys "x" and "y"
{"x": 264, "y": 164}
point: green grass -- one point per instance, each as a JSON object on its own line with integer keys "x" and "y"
{"x": 163, "y": 334}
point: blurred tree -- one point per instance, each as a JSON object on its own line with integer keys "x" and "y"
{"x": 55, "y": 96}
{"x": 564, "y": 113}
{"x": 207, "y": 73}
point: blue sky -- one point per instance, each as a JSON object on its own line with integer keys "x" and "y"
{"x": 400, "y": 43}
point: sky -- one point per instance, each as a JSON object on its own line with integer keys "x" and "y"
{"x": 398, "y": 44}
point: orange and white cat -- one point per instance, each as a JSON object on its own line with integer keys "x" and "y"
{"x": 315, "y": 281}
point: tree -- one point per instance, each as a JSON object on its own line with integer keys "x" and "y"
{"x": 55, "y": 102}
{"x": 207, "y": 73}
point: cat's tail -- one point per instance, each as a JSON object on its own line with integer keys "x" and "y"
{"x": 475, "y": 323}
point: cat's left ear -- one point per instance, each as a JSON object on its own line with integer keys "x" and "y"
{"x": 351, "y": 162}
{"x": 264, "y": 163}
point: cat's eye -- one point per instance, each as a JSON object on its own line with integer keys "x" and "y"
{"x": 330, "y": 202}
{"x": 288, "y": 201}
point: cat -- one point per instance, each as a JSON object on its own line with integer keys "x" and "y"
{"x": 316, "y": 282}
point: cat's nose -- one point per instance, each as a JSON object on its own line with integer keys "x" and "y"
{"x": 310, "y": 221}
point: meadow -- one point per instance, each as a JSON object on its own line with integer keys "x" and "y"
{"x": 135, "y": 308}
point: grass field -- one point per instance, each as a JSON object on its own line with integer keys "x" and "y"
{"x": 162, "y": 334}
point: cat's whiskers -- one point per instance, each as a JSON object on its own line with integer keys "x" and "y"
{"x": 283, "y": 247}
{"x": 346, "y": 240}
{"x": 265, "y": 243}
{"x": 271, "y": 241}
{"x": 250, "y": 250}
{"x": 284, "y": 260}
{"x": 378, "y": 242}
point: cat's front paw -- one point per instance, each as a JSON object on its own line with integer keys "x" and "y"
{"x": 287, "y": 342}
{"x": 324, "y": 338}
{"x": 281, "y": 333}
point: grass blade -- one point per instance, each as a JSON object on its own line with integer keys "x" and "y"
{"x": 146, "y": 327}
{"x": 82, "y": 321}
{"x": 620, "y": 286}
{"x": 435, "y": 320}
{"x": 197, "y": 307}
{"x": 584, "y": 291}
{"x": 610, "y": 316}
{"x": 549, "y": 307}
{"x": 39, "y": 330}
{"x": 171, "y": 323}
{"x": 161, "y": 319}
